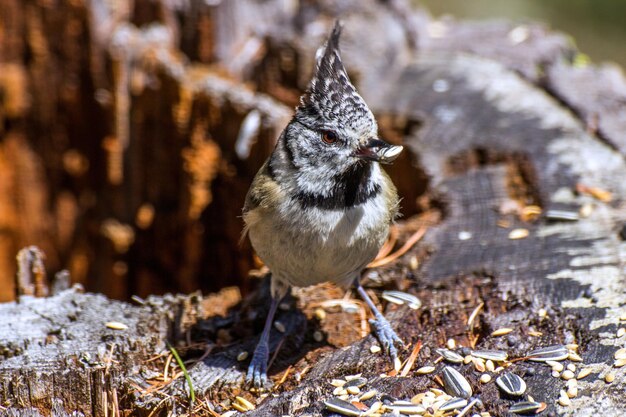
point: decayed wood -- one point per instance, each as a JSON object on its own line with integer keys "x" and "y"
{"x": 485, "y": 139}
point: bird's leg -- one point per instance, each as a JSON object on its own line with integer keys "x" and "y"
{"x": 257, "y": 371}
{"x": 382, "y": 329}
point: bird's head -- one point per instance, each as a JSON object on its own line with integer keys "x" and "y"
{"x": 333, "y": 136}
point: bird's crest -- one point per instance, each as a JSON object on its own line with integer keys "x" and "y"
{"x": 331, "y": 97}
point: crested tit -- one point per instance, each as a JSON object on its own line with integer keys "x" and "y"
{"x": 320, "y": 207}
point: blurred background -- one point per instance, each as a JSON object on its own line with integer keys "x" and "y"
{"x": 598, "y": 27}
{"x": 130, "y": 130}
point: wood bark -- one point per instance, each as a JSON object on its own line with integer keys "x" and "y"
{"x": 146, "y": 180}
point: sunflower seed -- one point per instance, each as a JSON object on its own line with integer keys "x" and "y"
{"x": 525, "y": 407}
{"x": 511, "y": 384}
{"x": 583, "y": 373}
{"x": 406, "y": 407}
{"x": 565, "y": 401}
{"x": 353, "y": 390}
{"x": 455, "y": 383}
{"x": 501, "y": 332}
{"x": 337, "y": 382}
{"x": 551, "y": 353}
{"x": 116, "y": 325}
{"x": 494, "y": 355}
{"x": 425, "y": 370}
{"x": 449, "y": 355}
{"x": 400, "y": 297}
{"x": 367, "y": 395}
{"x": 518, "y": 234}
{"x": 562, "y": 215}
{"x": 453, "y": 404}
{"x": 342, "y": 407}
{"x": 245, "y": 403}
{"x": 556, "y": 366}
{"x": 356, "y": 382}
{"x": 619, "y": 363}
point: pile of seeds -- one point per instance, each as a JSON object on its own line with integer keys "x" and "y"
{"x": 351, "y": 398}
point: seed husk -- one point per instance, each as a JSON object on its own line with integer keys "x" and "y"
{"x": 342, "y": 407}
{"x": 116, "y": 325}
{"x": 245, "y": 403}
{"x": 479, "y": 364}
{"x": 518, "y": 234}
{"x": 449, "y": 355}
{"x": 621, "y": 332}
{"x": 620, "y": 354}
{"x": 367, "y": 395}
{"x": 353, "y": 390}
{"x": 280, "y": 326}
{"x": 583, "y": 373}
{"x": 511, "y": 384}
{"x": 619, "y": 363}
{"x": 572, "y": 392}
{"x": 623, "y": 317}
{"x": 490, "y": 366}
{"x": 337, "y": 382}
{"x": 425, "y": 370}
{"x": 565, "y": 401}
{"x": 551, "y": 353}
{"x": 356, "y": 382}
{"x": 501, "y": 332}
{"x": 556, "y": 366}
{"x": 242, "y": 356}
{"x": 525, "y": 407}
{"x": 375, "y": 349}
{"x": 401, "y": 297}
{"x": 455, "y": 383}
{"x": 453, "y": 404}
{"x": 351, "y": 377}
{"x": 494, "y": 355}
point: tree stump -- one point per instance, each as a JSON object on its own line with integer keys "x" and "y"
{"x": 515, "y": 173}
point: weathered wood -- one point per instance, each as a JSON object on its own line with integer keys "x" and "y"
{"x": 485, "y": 137}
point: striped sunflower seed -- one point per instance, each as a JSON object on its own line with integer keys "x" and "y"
{"x": 526, "y": 407}
{"x": 511, "y": 384}
{"x": 342, "y": 407}
{"x": 449, "y": 355}
{"x": 453, "y": 404}
{"x": 406, "y": 407}
{"x": 494, "y": 355}
{"x": 455, "y": 383}
{"x": 401, "y": 297}
{"x": 551, "y": 353}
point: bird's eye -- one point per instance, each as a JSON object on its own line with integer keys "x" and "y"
{"x": 329, "y": 137}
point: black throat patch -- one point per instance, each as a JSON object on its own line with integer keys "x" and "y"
{"x": 351, "y": 188}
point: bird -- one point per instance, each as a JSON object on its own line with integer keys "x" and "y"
{"x": 320, "y": 207}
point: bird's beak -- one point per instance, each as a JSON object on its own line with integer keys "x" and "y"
{"x": 379, "y": 151}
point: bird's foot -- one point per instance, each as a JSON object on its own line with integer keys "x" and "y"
{"x": 386, "y": 336}
{"x": 257, "y": 371}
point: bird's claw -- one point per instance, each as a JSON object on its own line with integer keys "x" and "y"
{"x": 257, "y": 371}
{"x": 386, "y": 336}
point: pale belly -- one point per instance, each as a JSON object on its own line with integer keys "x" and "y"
{"x": 330, "y": 246}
